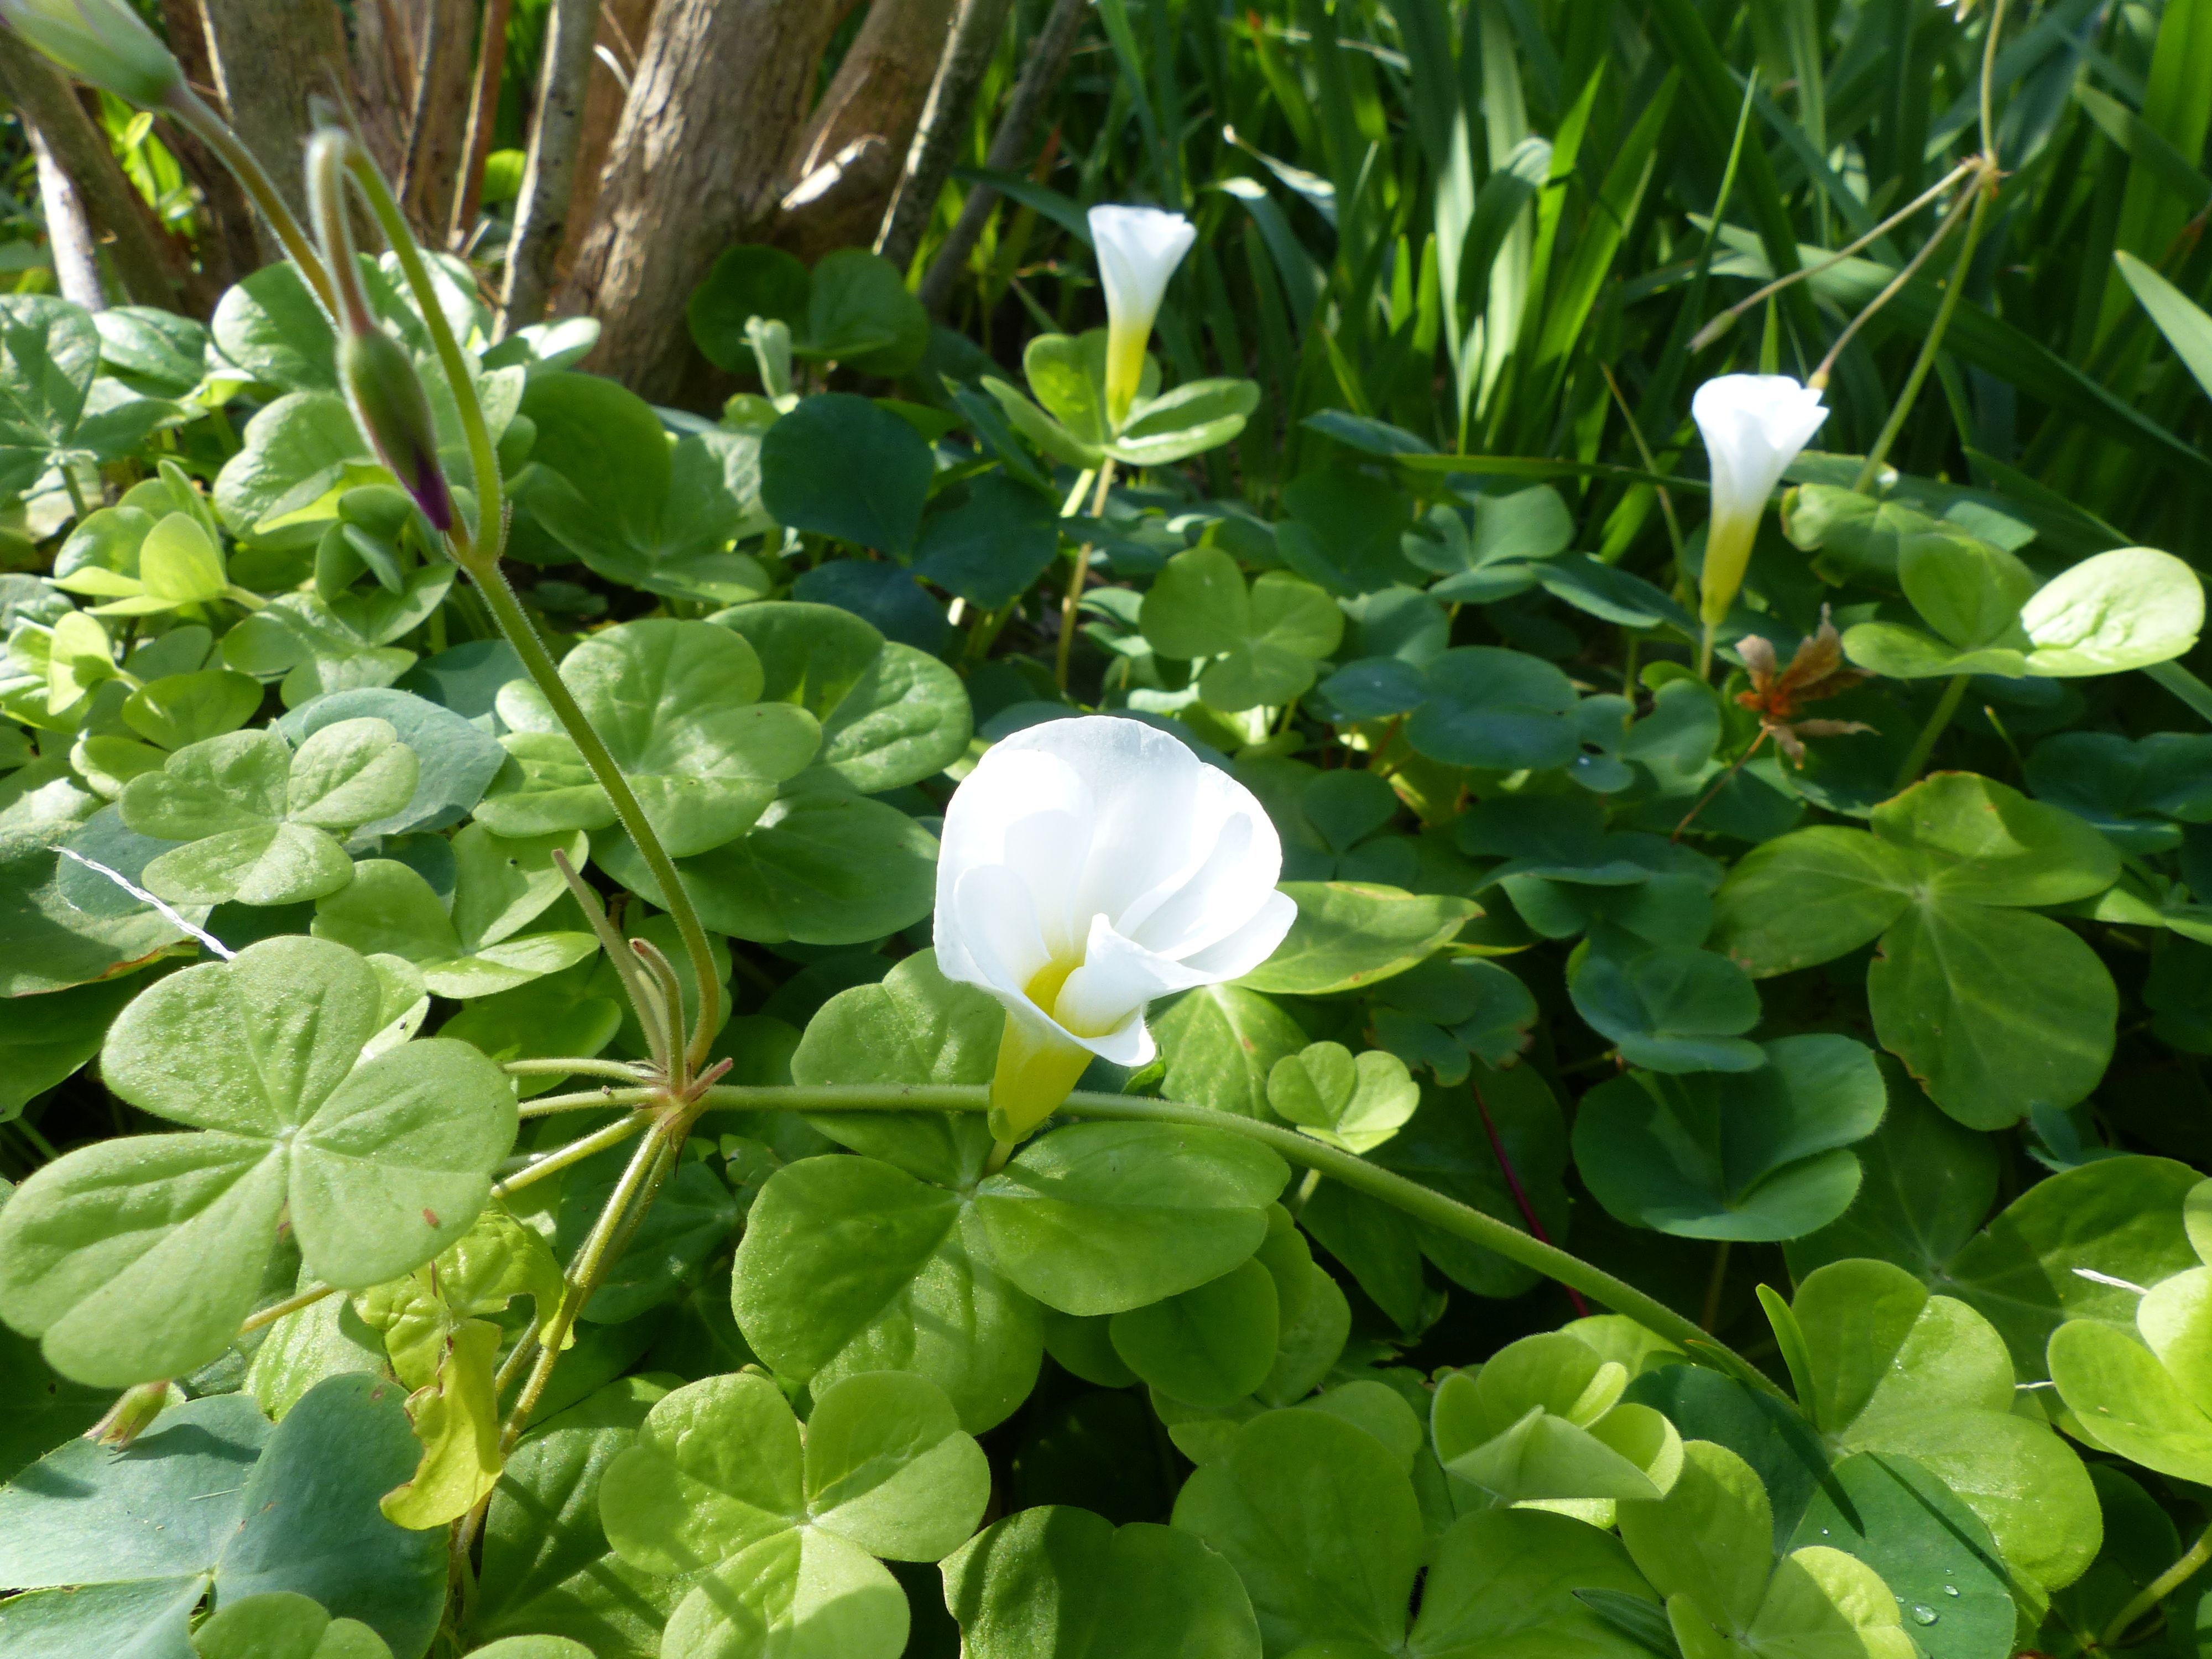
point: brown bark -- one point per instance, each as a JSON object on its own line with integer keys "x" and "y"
{"x": 225, "y": 240}
{"x": 720, "y": 86}
{"x": 483, "y": 115}
{"x": 937, "y": 136}
{"x": 624, "y": 25}
{"x": 549, "y": 176}
{"x": 847, "y": 163}
{"x": 383, "y": 64}
{"x": 1010, "y": 146}
{"x": 83, "y": 187}
{"x": 270, "y": 57}
{"x": 438, "y": 120}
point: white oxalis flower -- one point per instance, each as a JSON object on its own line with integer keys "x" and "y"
{"x": 1754, "y": 425}
{"x": 1088, "y": 866}
{"x": 1138, "y": 249}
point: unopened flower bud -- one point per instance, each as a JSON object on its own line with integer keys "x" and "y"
{"x": 103, "y": 43}
{"x": 131, "y": 1415}
{"x": 388, "y": 399}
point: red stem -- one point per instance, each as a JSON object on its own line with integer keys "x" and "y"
{"x": 1520, "y": 1192}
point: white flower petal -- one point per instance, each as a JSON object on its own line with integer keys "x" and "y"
{"x": 1138, "y": 249}
{"x": 1754, "y": 425}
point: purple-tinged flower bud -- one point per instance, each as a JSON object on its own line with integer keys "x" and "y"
{"x": 103, "y": 43}
{"x": 388, "y": 399}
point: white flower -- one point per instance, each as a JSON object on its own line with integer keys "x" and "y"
{"x": 1087, "y": 867}
{"x": 103, "y": 43}
{"x": 1754, "y": 426}
{"x": 1138, "y": 249}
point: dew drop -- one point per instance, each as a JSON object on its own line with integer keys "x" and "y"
{"x": 1950, "y": 1589}
{"x": 1923, "y": 1615}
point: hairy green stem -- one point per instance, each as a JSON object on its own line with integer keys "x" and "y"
{"x": 1924, "y": 744}
{"x": 212, "y": 131}
{"x": 1423, "y": 1204}
{"x": 1071, "y": 603}
{"x": 514, "y": 622}
{"x": 290, "y": 1304}
{"x": 2158, "y": 1589}
{"x": 598, "y": 1141}
{"x": 585, "y": 1100}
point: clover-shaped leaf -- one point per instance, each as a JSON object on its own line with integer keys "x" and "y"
{"x": 1357, "y": 1104}
{"x": 261, "y": 821}
{"x": 473, "y": 945}
{"x": 677, "y": 706}
{"x": 1259, "y": 646}
{"x": 1755, "y": 1155}
{"x": 722, "y": 1479}
{"x": 1542, "y": 1419}
{"x": 2130, "y": 608}
{"x": 1502, "y": 710}
{"x": 1670, "y": 1008}
{"x": 1891, "y": 1370}
{"x": 176, "y": 564}
{"x": 1707, "y": 1547}
{"x": 137, "y": 1258}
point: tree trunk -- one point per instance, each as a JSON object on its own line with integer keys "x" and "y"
{"x": 226, "y": 242}
{"x": 383, "y": 64}
{"x": 720, "y": 87}
{"x": 484, "y": 116}
{"x": 846, "y": 165}
{"x": 270, "y": 58}
{"x": 68, "y": 232}
{"x": 623, "y": 25}
{"x": 1010, "y": 146}
{"x": 82, "y": 185}
{"x": 936, "y": 138}
{"x": 438, "y": 120}
{"x": 548, "y": 178}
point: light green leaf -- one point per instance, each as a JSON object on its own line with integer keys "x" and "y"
{"x": 2130, "y": 607}
{"x": 1097, "y": 1217}
{"x": 137, "y": 1258}
{"x": 1349, "y": 935}
{"x": 1064, "y": 1583}
{"x": 1355, "y": 1103}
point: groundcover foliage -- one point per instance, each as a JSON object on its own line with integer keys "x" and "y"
{"x": 1577, "y": 1067}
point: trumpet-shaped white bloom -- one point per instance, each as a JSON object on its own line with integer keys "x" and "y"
{"x": 1138, "y": 249}
{"x": 1754, "y": 425}
{"x": 1088, "y": 866}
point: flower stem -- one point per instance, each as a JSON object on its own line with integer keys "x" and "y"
{"x": 212, "y": 131}
{"x": 2158, "y": 1589}
{"x": 1521, "y": 1199}
{"x": 577, "y": 1151}
{"x": 290, "y": 1304}
{"x": 1423, "y": 1204}
{"x": 1870, "y": 468}
{"x": 1064, "y": 649}
{"x": 1924, "y": 744}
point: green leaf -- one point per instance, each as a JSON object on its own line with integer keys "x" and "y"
{"x": 1349, "y": 935}
{"x": 817, "y": 869}
{"x": 1983, "y": 842}
{"x": 1996, "y": 1013}
{"x": 1709, "y": 1539}
{"x": 676, "y": 704}
{"x": 1064, "y": 1583}
{"x": 36, "y": 1053}
{"x": 1928, "y": 1182}
{"x": 1320, "y": 1524}
{"x": 281, "y": 1625}
{"x": 1219, "y": 1042}
{"x": 1809, "y": 898}
{"x": 1520, "y": 1584}
{"x": 49, "y": 354}
{"x": 1097, "y": 1217}
{"x": 212, "y": 1494}
{"x": 848, "y": 1265}
{"x": 859, "y": 313}
{"x": 914, "y": 1026}
{"x": 1260, "y": 647}
{"x": 890, "y": 715}
{"x": 2186, "y": 328}
{"x": 137, "y": 1258}
{"x": 743, "y": 283}
{"x": 546, "y": 1564}
{"x": 840, "y": 466}
{"x": 1193, "y": 418}
{"x": 1968, "y": 590}
{"x": 298, "y": 450}
{"x": 2130, "y": 608}
{"x": 1668, "y": 1007}
{"x": 49, "y": 941}
{"x": 1932, "y": 1551}
{"x": 798, "y": 1592}
{"x": 1209, "y": 1347}
{"x": 1757, "y": 1155}
{"x": 1502, "y": 710}
{"x": 1357, "y": 1104}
